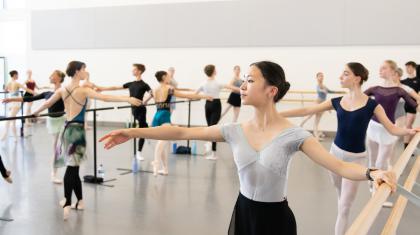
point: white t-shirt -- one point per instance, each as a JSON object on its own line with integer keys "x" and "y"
{"x": 211, "y": 88}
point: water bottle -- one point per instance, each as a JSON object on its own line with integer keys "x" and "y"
{"x": 127, "y": 123}
{"x": 101, "y": 171}
{"x": 194, "y": 148}
{"x": 174, "y": 147}
{"x": 135, "y": 165}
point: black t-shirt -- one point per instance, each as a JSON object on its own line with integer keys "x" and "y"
{"x": 414, "y": 83}
{"x": 137, "y": 89}
{"x": 55, "y": 108}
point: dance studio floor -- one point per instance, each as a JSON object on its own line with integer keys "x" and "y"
{"x": 196, "y": 198}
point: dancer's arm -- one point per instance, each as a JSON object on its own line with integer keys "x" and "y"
{"x": 25, "y": 99}
{"x": 191, "y": 95}
{"x": 15, "y": 99}
{"x": 52, "y": 100}
{"x": 317, "y": 153}
{"x": 109, "y": 88}
{"x": 110, "y": 98}
{"x": 26, "y": 89}
{"x": 389, "y": 126}
{"x": 233, "y": 88}
{"x": 407, "y": 98}
{"x": 212, "y": 133}
{"x": 324, "y": 106}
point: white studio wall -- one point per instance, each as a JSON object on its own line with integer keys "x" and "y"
{"x": 113, "y": 66}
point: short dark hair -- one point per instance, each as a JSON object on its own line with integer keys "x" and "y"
{"x": 13, "y": 73}
{"x": 411, "y": 63}
{"x": 140, "y": 67}
{"x": 359, "y": 70}
{"x": 274, "y": 76}
{"x": 73, "y": 67}
{"x": 159, "y": 75}
{"x": 209, "y": 70}
{"x": 60, "y": 74}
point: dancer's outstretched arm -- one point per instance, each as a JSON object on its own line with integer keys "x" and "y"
{"x": 324, "y": 106}
{"x": 212, "y": 133}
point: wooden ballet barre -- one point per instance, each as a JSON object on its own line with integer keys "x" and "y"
{"x": 399, "y": 207}
{"x": 367, "y": 216}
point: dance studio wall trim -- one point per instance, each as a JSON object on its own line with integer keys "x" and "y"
{"x": 242, "y": 23}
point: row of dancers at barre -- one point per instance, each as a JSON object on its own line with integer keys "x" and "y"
{"x": 262, "y": 146}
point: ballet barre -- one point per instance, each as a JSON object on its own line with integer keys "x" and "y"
{"x": 129, "y": 171}
{"x": 94, "y": 179}
{"x": 367, "y": 216}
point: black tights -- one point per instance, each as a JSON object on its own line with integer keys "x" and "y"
{"x": 3, "y": 169}
{"x": 213, "y": 111}
{"x": 72, "y": 182}
{"x": 140, "y": 117}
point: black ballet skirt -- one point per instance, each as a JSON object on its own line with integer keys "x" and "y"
{"x": 262, "y": 218}
{"x": 234, "y": 99}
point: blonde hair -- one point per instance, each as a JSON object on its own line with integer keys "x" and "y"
{"x": 392, "y": 64}
{"x": 400, "y": 72}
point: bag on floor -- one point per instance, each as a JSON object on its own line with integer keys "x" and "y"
{"x": 183, "y": 150}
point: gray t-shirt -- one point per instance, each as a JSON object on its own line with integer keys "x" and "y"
{"x": 263, "y": 174}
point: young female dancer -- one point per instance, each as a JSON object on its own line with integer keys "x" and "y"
{"x": 262, "y": 149}
{"x": 7, "y": 175}
{"x": 72, "y": 143}
{"x": 13, "y": 88}
{"x": 321, "y": 91}
{"x": 354, "y": 111}
{"x": 54, "y": 121}
{"x": 234, "y": 99}
{"x": 163, "y": 95}
{"x": 380, "y": 141}
{"x": 213, "y": 108}
{"x": 31, "y": 85}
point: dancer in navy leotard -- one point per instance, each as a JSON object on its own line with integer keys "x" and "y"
{"x": 349, "y": 143}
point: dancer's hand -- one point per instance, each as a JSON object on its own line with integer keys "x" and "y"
{"x": 414, "y": 130}
{"x": 115, "y": 138}
{"x": 388, "y": 177}
{"x": 134, "y": 101}
{"x": 6, "y": 100}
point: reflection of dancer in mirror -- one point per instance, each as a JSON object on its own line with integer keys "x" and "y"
{"x": 13, "y": 89}
{"x": 322, "y": 92}
{"x": 234, "y": 99}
